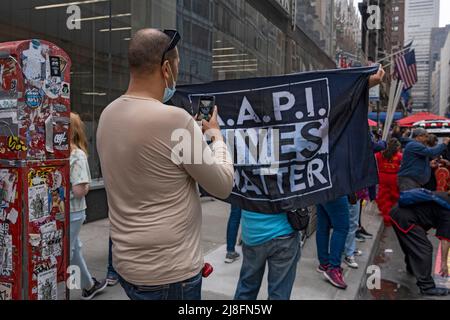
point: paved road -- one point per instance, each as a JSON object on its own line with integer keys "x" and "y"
{"x": 396, "y": 283}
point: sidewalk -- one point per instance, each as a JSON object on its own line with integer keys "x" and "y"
{"x": 309, "y": 284}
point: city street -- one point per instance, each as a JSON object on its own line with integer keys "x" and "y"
{"x": 396, "y": 283}
{"x": 309, "y": 284}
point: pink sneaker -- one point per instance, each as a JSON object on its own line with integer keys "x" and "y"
{"x": 334, "y": 275}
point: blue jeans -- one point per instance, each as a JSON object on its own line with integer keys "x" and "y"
{"x": 76, "y": 256}
{"x": 233, "y": 227}
{"x": 350, "y": 244}
{"x": 282, "y": 255}
{"x": 190, "y": 289}
{"x": 111, "y": 270}
{"x": 333, "y": 214}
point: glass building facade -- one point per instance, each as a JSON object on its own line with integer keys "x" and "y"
{"x": 316, "y": 18}
{"x": 222, "y": 39}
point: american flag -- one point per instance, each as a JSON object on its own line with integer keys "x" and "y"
{"x": 406, "y": 68}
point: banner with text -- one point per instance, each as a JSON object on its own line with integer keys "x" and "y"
{"x": 297, "y": 140}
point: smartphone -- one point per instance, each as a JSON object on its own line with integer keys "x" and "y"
{"x": 206, "y": 106}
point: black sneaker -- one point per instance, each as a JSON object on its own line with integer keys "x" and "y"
{"x": 359, "y": 237}
{"x": 112, "y": 279}
{"x": 365, "y": 234}
{"x": 434, "y": 292}
{"x": 96, "y": 288}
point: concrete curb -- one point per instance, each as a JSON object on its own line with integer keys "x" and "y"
{"x": 373, "y": 223}
{"x": 375, "y": 247}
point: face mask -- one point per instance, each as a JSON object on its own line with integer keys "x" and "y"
{"x": 169, "y": 92}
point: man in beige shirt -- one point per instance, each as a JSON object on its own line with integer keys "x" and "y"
{"x": 151, "y": 183}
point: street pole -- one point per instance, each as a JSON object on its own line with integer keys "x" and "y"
{"x": 376, "y": 59}
{"x": 378, "y": 116}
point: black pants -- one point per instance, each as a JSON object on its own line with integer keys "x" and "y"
{"x": 418, "y": 252}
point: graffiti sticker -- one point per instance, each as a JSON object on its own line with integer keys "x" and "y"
{"x": 53, "y": 87}
{"x": 60, "y": 141}
{"x": 5, "y": 291}
{"x": 15, "y": 144}
{"x": 55, "y": 66}
{"x": 8, "y": 104}
{"x": 5, "y": 251}
{"x": 13, "y": 215}
{"x": 65, "y": 90}
{"x": 60, "y": 108}
{"x": 39, "y": 176}
{"x": 35, "y": 239}
{"x": 33, "y": 61}
{"x": 13, "y": 89}
{"x": 8, "y": 185}
{"x": 47, "y": 289}
{"x": 33, "y": 98}
{"x": 52, "y": 244}
{"x": 38, "y": 202}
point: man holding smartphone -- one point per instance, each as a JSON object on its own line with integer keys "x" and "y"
{"x": 154, "y": 205}
{"x": 206, "y": 107}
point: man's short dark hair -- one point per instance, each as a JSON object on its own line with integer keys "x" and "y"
{"x": 419, "y": 132}
{"x": 146, "y": 49}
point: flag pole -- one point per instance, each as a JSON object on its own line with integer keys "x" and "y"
{"x": 391, "y": 108}
{"x": 391, "y": 102}
{"x": 397, "y": 99}
{"x": 392, "y": 55}
{"x": 398, "y": 88}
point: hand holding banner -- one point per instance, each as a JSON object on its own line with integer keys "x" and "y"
{"x": 296, "y": 140}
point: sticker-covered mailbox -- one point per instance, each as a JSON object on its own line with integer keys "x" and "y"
{"x": 34, "y": 170}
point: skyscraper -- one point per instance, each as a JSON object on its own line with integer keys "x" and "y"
{"x": 438, "y": 39}
{"x": 420, "y": 17}
{"x": 398, "y": 24}
{"x": 316, "y": 18}
{"x": 377, "y": 42}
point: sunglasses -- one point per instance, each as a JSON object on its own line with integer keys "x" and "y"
{"x": 175, "y": 37}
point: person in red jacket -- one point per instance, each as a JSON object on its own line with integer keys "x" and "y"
{"x": 389, "y": 163}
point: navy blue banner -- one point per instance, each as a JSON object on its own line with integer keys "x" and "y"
{"x": 297, "y": 140}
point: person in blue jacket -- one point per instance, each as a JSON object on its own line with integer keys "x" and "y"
{"x": 415, "y": 171}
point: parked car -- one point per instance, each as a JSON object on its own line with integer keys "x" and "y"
{"x": 440, "y": 128}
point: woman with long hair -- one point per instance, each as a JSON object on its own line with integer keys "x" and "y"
{"x": 389, "y": 163}
{"x": 80, "y": 179}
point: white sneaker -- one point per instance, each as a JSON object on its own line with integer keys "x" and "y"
{"x": 358, "y": 253}
{"x": 351, "y": 262}
{"x": 231, "y": 257}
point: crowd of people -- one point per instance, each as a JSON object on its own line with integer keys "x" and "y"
{"x": 154, "y": 204}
